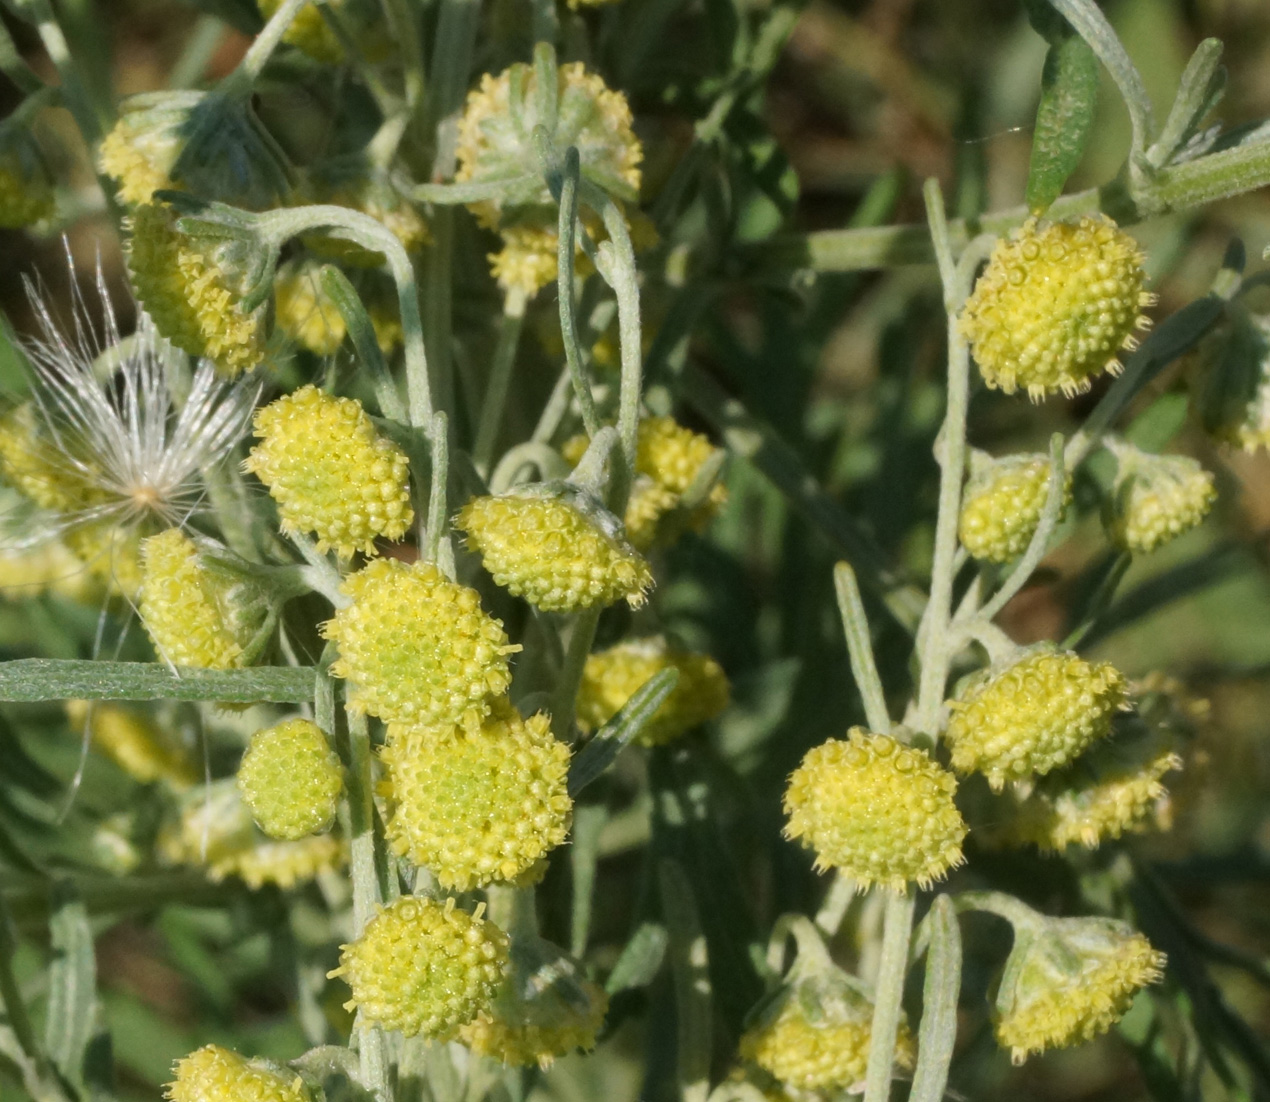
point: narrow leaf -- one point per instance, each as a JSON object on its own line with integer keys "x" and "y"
{"x": 361, "y": 332}
{"x": 640, "y": 960}
{"x": 1199, "y": 91}
{"x": 690, "y": 968}
{"x": 35, "y": 679}
{"x": 938, "y": 1030}
{"x": 72, "y": 984}
{"x": 602, "y": 750}
{"x": 1064, "y": 119}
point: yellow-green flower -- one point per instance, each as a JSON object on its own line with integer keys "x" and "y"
{"x": 330, "y": 472}
{"x": 560, "y": 549}
{"x": 291, "y": 779}
{"x": 478, "y": 806}
{"x": 418, "y": 648}
{"x": 141, "y": 749}
{"x": 1003, "y": 503}
{"x": 878, "y": 810}
{"x": 611, "y": 677}
{"x": 303, "y": 311}
{"x": 424, "y": 968}
{"x": 1056, "y": 304}
{"x": 1156, "y": 497}
{"x": 216, "y": 1074}
{"x": 1069, "y": 979}
{"x": 1036, "y": 714}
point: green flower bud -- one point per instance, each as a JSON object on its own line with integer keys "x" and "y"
{"x": 1156, "y": 497}
{"x": 216, "y": 1074}
{"x": 291, "y": 779}
{"x": 1002, "y": 504}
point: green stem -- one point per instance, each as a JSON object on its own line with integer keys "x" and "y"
{"x": 564, "y": 698}
{"x": 529, "y": 454}
{"x": 834, "y": 908}
{"x": 337, "y": 287}
{"x": 855, "y": 625}
{"x": 499, "y": 384}
{"x": 439, "y": 548}
{"x": 268, "y": 40}
{"x": 1013, "y": 910}
{"x": 938, "y": 1031}
{"x": 892, "y": 969}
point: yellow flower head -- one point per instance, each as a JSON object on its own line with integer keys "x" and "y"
{"x": 1156, "y": 497}
{"x": 558, "y": 548}
{"x": 545, "y": 1008}
{"x": 827, "y": 1049}
{"x": 38, "y": 468}
{"x": 194, "y": 300}
{"x": 424, "y": 968}
{"x": 141, "y": 150}
{"x": 193, "y": 616}
{"x": 215, "y": 1074}
{"x": 528, "y": 260}
{"x": 478, "y": 806}
{"x": 309, "y": 31}
{"x": 418, "y": 647}
{"x": 303, "y": 311}
{"x": 1055, "y": 305}
{"x": 1106, "y": 793}
{"x": 111, "y": 553}
{"x": 611, "y": 677}
{"x": 496, "y": 133}
{"x": 880, "y": 811}
{"x": 285, "y": 863}
{"x": 1068, "y": 980}
{"x": 1035, "y": 715}
{"x": 330, "y": 472}
{"x": 1003, "y": 503}
{"x": 51, "y": 568}
{"x": 291, "y": 779}
{"x": 141, "y": 749}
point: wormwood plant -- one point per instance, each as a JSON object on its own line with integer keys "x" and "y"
{"x": 414, "y": 472}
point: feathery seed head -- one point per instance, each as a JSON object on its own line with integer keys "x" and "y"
{"x": 611, "y": 677}
{"x": 1055, "y": 305}
{"x": 1036, "y": 714}
{"x": 193, "y": 290}
{"x": 291, "y": 779}
{"x": 26, "y": 185}
{"x": 1003, "y": 503}
{"x": 418, "y": 648}
{"x": 1156, "y": 497}
{"x": 544, "y": 1008}
{"x": 478, "y": 806}
{"x": 556, "y": 546}
{"x": 496, "y": 131}
{"x": 424, "y": 968}
{"x": 880, "y": 811}
{"x": 194, "y": 614}
{"x": 1069, "y": 979}
{"x": 216, "y": 1074}
{"x": 144, "y": 751}
{"x": 208, "y": 143}
{"x": 330, "y": 472}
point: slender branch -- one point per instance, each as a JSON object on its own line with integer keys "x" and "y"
{"x": 565, "y": 245}
{"x": 268, "y": 40}
{"x": 892, "y": 969}
{"x": 855, "y": 625}
{"x": 495, "y": 400}
{"x": 439, "y": 548}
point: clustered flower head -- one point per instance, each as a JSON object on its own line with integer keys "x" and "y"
{"x": 304, "y": 313}
{"x": 1156, "y": 497}
{"x": 291, "y": 779}
{"x": 330, "y": 472}
{"x": 1002, "y": 504}
{"x": 1036, "y": 714}
{"x": 1068, "y": 980}
{"x": 481, "y": 805}
{"x": 309, "y": 31}
{"x": 878, "y": 810}
{"x": 142, "y": 749}
{"x": 1056, "y": 304}
{"x": 417, "y": 647}
{"x": 545, "y": 1008}
{"x": 557, "y": 547}
{"x": 424, "y": 968}
{"x": 611, "y": 677}
{"x": 190, "y": 288}
{"x": 216, "y": 1074}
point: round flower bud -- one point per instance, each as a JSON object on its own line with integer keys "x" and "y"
{"x": 1156, "y": 497}
{"x": 26, "y": 187}
{"x": 545, "y": 1008}
{"x": 1055, "y": 305}
{"x": 215, "y": 1074}
{"x": 496, "y": 133}
{"x": 330, "y": 472}
{"x": 38, "y": 468}
{"x": 610, "y": 678}
{"x": 418, "y": 647}
{"x": 424, "y": 968}
{"x": 192, "y": 616}
{"x": 285, "y": 864}
{"x": 193, "y": 297}
{"x": 291, "y": 779}
{"x": 557, "y": 547}
{"x": 880, "y": 811}
{"x": 827, "y": 1051}
{"x": 1036, "y": 714}
{"x": 144, "y": 751}
{"x": 478, "y": 806}
{"x": 1003, "y": 503}
{"x": 1069, "y": 979}
{"x": 1106, "y": 793}
{"x": 528, "y": 260}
